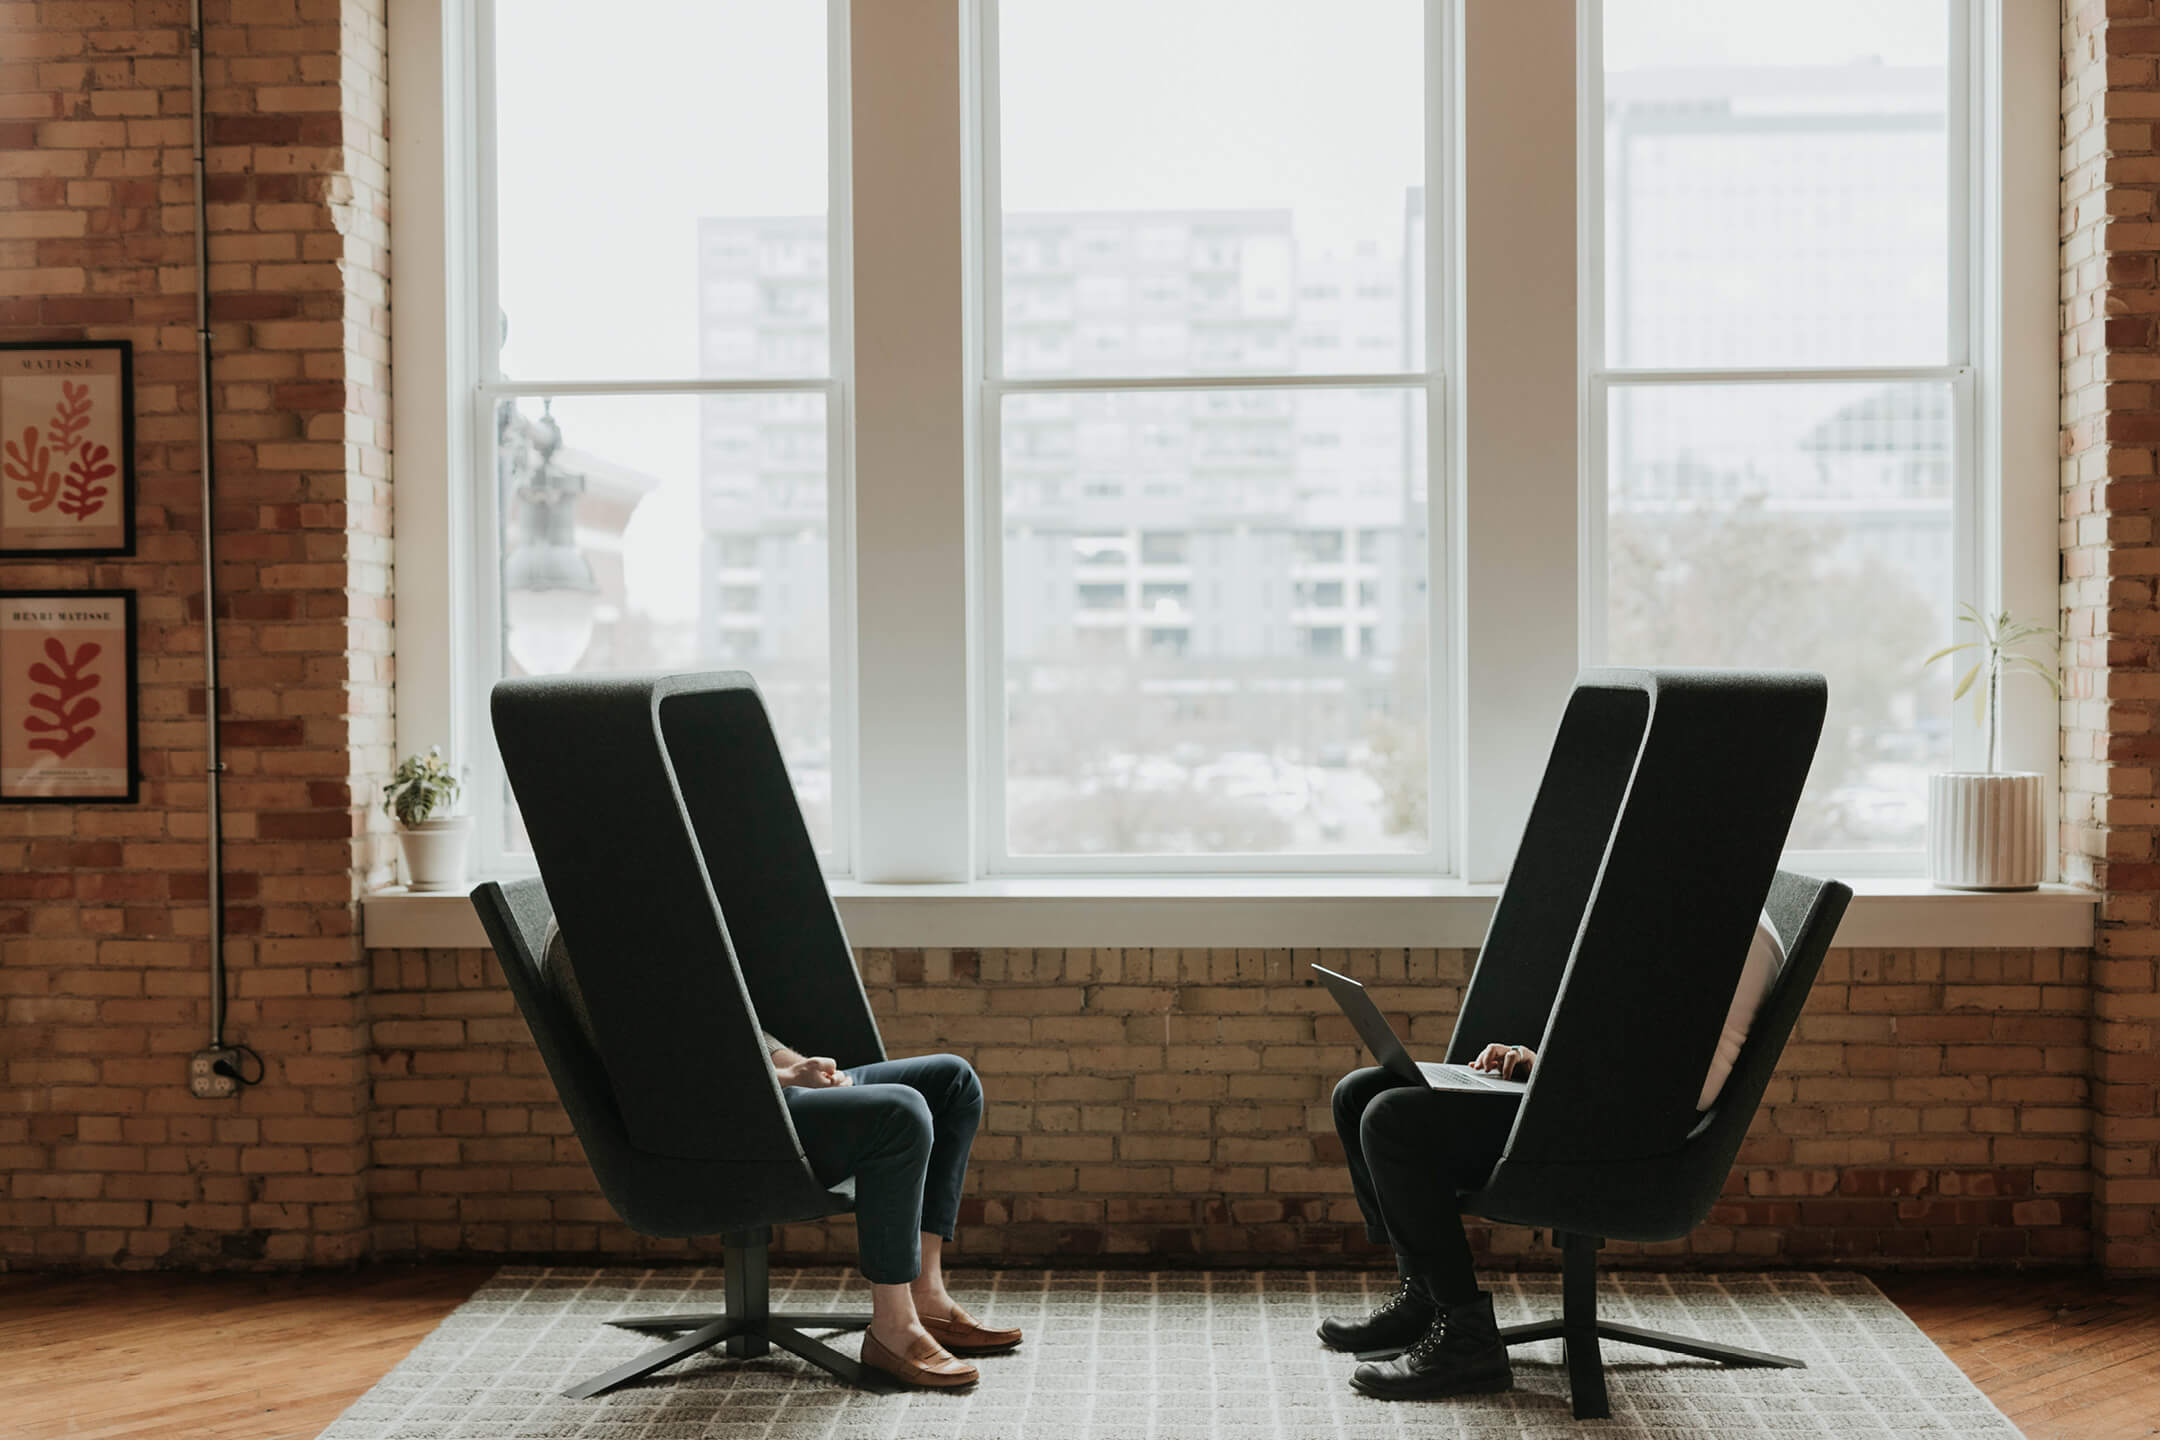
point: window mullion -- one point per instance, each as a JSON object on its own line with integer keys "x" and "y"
{"x": 841, "y": 538}
{"x": 512, "y": 389}
{"x": 1799, "y": 375}
{"x": 1277, "y": 380}
{"x": 480, "y": 654}
{"x": 989, "y": 236}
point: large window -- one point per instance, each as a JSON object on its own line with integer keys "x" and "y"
{"x": 1212, "y": 622}
{"x": 1238, "y": 419}
{"x": 662, "y": 360}
{"x": 1779, "y": 376}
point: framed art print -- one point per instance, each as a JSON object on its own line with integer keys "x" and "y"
{"x": 67, "y": 696}
{"x": 67, "y": 451}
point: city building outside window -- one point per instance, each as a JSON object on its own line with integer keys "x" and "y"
{"x": 1784, "y": 378}
{"x": 1288, "y": 145}
{"x": 675, "y": 424}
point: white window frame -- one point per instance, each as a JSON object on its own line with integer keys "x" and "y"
{"x": 913, "y": 614}
{"x": 1434, "y": 381}
{"x": 1975, "y": 177}
{"x": 478, "y": 662}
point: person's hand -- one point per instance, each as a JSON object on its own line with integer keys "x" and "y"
{"x": 1510, "y": 1062}
{"x": 815, "y": 1072}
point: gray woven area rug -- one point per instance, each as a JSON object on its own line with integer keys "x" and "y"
{"x": 1119, "y": 1355}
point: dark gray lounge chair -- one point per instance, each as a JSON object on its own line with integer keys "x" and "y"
{"x": 1650, "y": 849}
{"x": 670, "y": 844}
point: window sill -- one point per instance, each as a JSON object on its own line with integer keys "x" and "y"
{"x": 1273, "y": 912}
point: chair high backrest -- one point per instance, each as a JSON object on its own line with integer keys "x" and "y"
{"x": 609, "y": 771}
{"x": 1540, "y": 910}
{"x": 1682, "y": 785}
{"x": 785, "y": 933}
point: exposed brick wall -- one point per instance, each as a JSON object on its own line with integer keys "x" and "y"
{"x": 103, "y": 957}
{"x": 1935, "y": 1105}
{"x": 2111, "y": 496}
{"x": 1174, "y": 1103}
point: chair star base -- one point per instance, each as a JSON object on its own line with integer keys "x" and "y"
{"x": 1580, "y": 1330}
{"x": 748, "y": 1327}
{"x": 745, "y": 1338}
{"x": 670, "y": 1324}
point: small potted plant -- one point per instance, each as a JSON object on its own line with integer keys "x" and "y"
{"x": 1985, "y": 828}
{"x": 419, "y": 796}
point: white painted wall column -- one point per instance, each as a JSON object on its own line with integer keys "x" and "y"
{"x": 2019, "y": 364}
{"x": 1514, "y": 606}
{"x": 912, "y": 413}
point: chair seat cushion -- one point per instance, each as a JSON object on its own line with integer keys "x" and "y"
{"x": 562, "y": 982}
{"x": 1765, "y": 962}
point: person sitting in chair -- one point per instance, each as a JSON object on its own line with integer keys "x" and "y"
{"x": 1412, "y": 1151}
{"x": 903, "y": 1129}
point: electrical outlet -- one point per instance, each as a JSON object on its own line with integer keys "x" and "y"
{"x": 206, "y": 1082}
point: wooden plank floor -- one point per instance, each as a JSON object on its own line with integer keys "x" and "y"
{"x": 2064, "y": 1356}
{"x": 276, "y": 1357}
{"x": 219, "y": 1357}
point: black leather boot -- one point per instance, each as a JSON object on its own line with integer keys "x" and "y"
{"x": 1400, "y": 1320}
{"x": 1459, "y": 1354}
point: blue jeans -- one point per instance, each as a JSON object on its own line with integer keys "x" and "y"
{"x": 903, "y": 1130}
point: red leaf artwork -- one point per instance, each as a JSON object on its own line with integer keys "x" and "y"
{"x": 70, "y": 417}
{"x": 84, "y": 497}
{"x": 29, "y": 465}
{"x": 69, "y": 704}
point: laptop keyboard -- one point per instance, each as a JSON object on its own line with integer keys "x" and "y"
{"x": 1462, "y": 1077}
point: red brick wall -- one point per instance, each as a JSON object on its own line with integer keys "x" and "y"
{"x": 2111, "y": 495}
{"x": 1174, "y": 1103}
{"x": 103, "y": 958}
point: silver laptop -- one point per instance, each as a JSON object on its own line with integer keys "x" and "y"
{"x": 1387, "y": 1047}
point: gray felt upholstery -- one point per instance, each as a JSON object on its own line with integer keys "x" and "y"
{"x": 562, "y": 983}
{"x": 1618, "y": 940}
{"x": 674, "y": 858}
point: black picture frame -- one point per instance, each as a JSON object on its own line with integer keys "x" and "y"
{"x": 62, "y": 599}
{"x": 11, "y": 367}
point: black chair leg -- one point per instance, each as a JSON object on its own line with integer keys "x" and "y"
{"x": 651, "y": 1360}
{"x": 1580, "y": 1330}
{"x": 1700, "y": 1349}
{"x": 748, "y": 1327}
{"x": 1579, "y": 1327}
{"x": 749, "y": 1295}
{"x": 861, "y": 1376}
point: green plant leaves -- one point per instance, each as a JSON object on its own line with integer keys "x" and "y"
{"x": 1947, "y": 650}
{"x": 421, "y": 786}
{"x": 2000, "y": 636}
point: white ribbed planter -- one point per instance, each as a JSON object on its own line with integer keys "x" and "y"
{"x": 1985, "y": 831}
{"x": 435, "y": 852}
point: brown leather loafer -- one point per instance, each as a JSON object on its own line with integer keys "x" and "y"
{"x": 926, "y": 1367}
{"x": 963, "y": 1334}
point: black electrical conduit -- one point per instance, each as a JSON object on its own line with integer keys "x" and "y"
{"x": 213, "y": 766}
